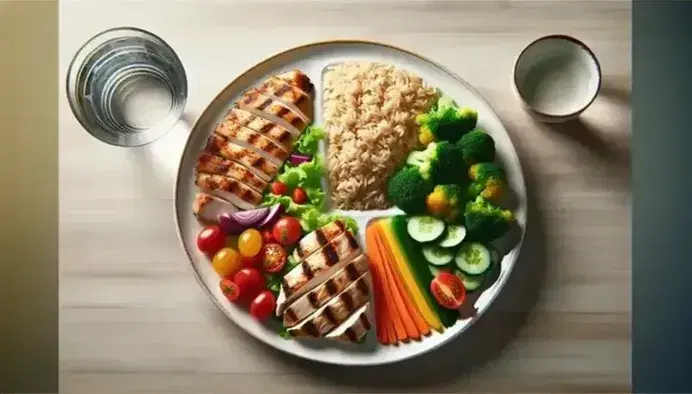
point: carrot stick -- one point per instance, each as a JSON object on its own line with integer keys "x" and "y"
{"x": 394, "y": 311}
{"x": 394, "y": 292}
{"x": 380, "y": 311}
{"x": 421, "y": 325}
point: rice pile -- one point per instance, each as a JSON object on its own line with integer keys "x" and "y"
{"x": 369, "y": 117}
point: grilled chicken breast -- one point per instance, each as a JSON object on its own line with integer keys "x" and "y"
{"x": 317, "y": 239}
{"x": 354, "y": 328}
{"x": 263, "y": 126}
{"x": 220, "y": 146}
{"x": 229, "y": 189}
{"x": 315, "y": 298}
{"x": 317, "y": 267}
{"x": 289, "y": 95}
{"x": 299, "y": 80}
{"x": 254, "y": 141}
{"x": 220, "y": 166}
{"x": 208, "y": 208}
{"x": 334, "y": 312}
{"x": 273, "y": 110}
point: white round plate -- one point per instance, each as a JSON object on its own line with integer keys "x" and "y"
{"x": 312, "y": 59}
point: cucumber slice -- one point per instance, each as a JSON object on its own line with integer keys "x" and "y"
{"x": 473, "y": 258}
{"x": 425, "y": 228}
{"x": 453, "y": 236}
{"x": 471, "y": 282}
{"x": 437, "y": 255}
{"x": 435, "y": 270}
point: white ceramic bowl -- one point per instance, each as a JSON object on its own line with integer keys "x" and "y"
{"x": 557, "y": 77}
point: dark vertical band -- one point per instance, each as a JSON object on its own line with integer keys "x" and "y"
{"x": 29, "y": 196}
{"x": 662, "y": 197}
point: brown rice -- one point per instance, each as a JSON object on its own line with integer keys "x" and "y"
{"x": 369, "y": 113}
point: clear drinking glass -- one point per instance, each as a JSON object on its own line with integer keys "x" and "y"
{"x": 127, "y": 87}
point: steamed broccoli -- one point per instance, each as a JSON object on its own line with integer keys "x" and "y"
{"x": 441, "y": 163}
{"x": 477, "y": 147}
{"x": 485, "y": 221}
{"x": 407, "y": 189}
{"x": 488, "y": 181}
{"x": 446, "y": 123}
{"x": 446, "y": 202}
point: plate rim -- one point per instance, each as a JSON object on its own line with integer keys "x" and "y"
{"x": 516, "y": 251}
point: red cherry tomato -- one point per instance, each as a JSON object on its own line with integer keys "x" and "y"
{"x": 287, "y": 230}
{"x": 279, "y": 188}
{"x": 210, "y": 240}
{"x": 250, "y": 282}
{"x": 263, "y": 305}
{"x": 254, "y": 261}
{"x": 275, "y": 257}
{"x": 267, "y": 236}
{"x": 448, "y": 290}
{"x": 299, "y": 196}
{"x": 230, "y": 289}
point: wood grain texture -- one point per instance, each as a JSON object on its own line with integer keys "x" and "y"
{"x": 133, "y": 319}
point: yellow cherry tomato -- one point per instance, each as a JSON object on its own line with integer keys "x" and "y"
{"x": 250, "y": 242}
{"x": 227, "y": 261}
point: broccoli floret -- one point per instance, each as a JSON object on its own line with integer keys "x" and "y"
{"x": 446, "y": 202}
{"x": 488, "y": 181}
{"x": 486, "y": 221}
{"x": 446, "y": 123}
{"x": 441, "y": 163}
{"x": 407, "y": 189}
{"x": 477, "y": 147}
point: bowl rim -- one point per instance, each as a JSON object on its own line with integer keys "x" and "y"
{"x": 571, "y": 40}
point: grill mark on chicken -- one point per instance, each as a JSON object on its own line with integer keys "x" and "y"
{"x": 351, "y": 272}
{"x": 285, "y": 286}
{"x": 329, "y": 315}
{"x": 364, "y": 321}
{"x": 347, "y": 299}
{"x": 263, "y": 126}
{"x": 291, "y": 314}
{"x": 321, "y": 238}
{"x": 312, "y": 298}
{"x": 253, "y": 99}
{"x": 350, "y": 333}
{"x": 307, "y": 270}
{"x": 330, "y": 254}
{"x": 331, "y": 287}
{"x": 213, "y": 182}
{"x": 311, "y": 329}
{"x": 220, "y": 146}
{"x": 208, "y": 162}
{"x": 352, "y": 240}
{"x": 363, "y": 288}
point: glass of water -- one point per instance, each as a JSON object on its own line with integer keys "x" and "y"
{"x": 127, "y": 87}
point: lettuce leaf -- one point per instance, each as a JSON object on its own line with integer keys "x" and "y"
{"x": 311, "y": 220}
{"x": 309, "y": 141}
{"x": 306, "y": 175}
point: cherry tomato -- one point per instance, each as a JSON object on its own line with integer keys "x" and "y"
{"x": 279, "y": 188}
{"x": 250, "y": 242}
{"x": 448, "y": 290}
{"x": 275, "y": 257}
{"x": 299, "y": 196}
{"x": 287, "y": 230}
{"x": 263, "y": 305}
{"x": 253, "y": 261}
{"x": 226, "y": 262}
{"x": 230, "y": 289}
{"x": 210, "y": 240}
{"x": 267, "y": 236}
{"x": 250, "y": 282}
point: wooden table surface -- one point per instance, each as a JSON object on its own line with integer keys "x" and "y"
{"x": 133, "y": 318}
